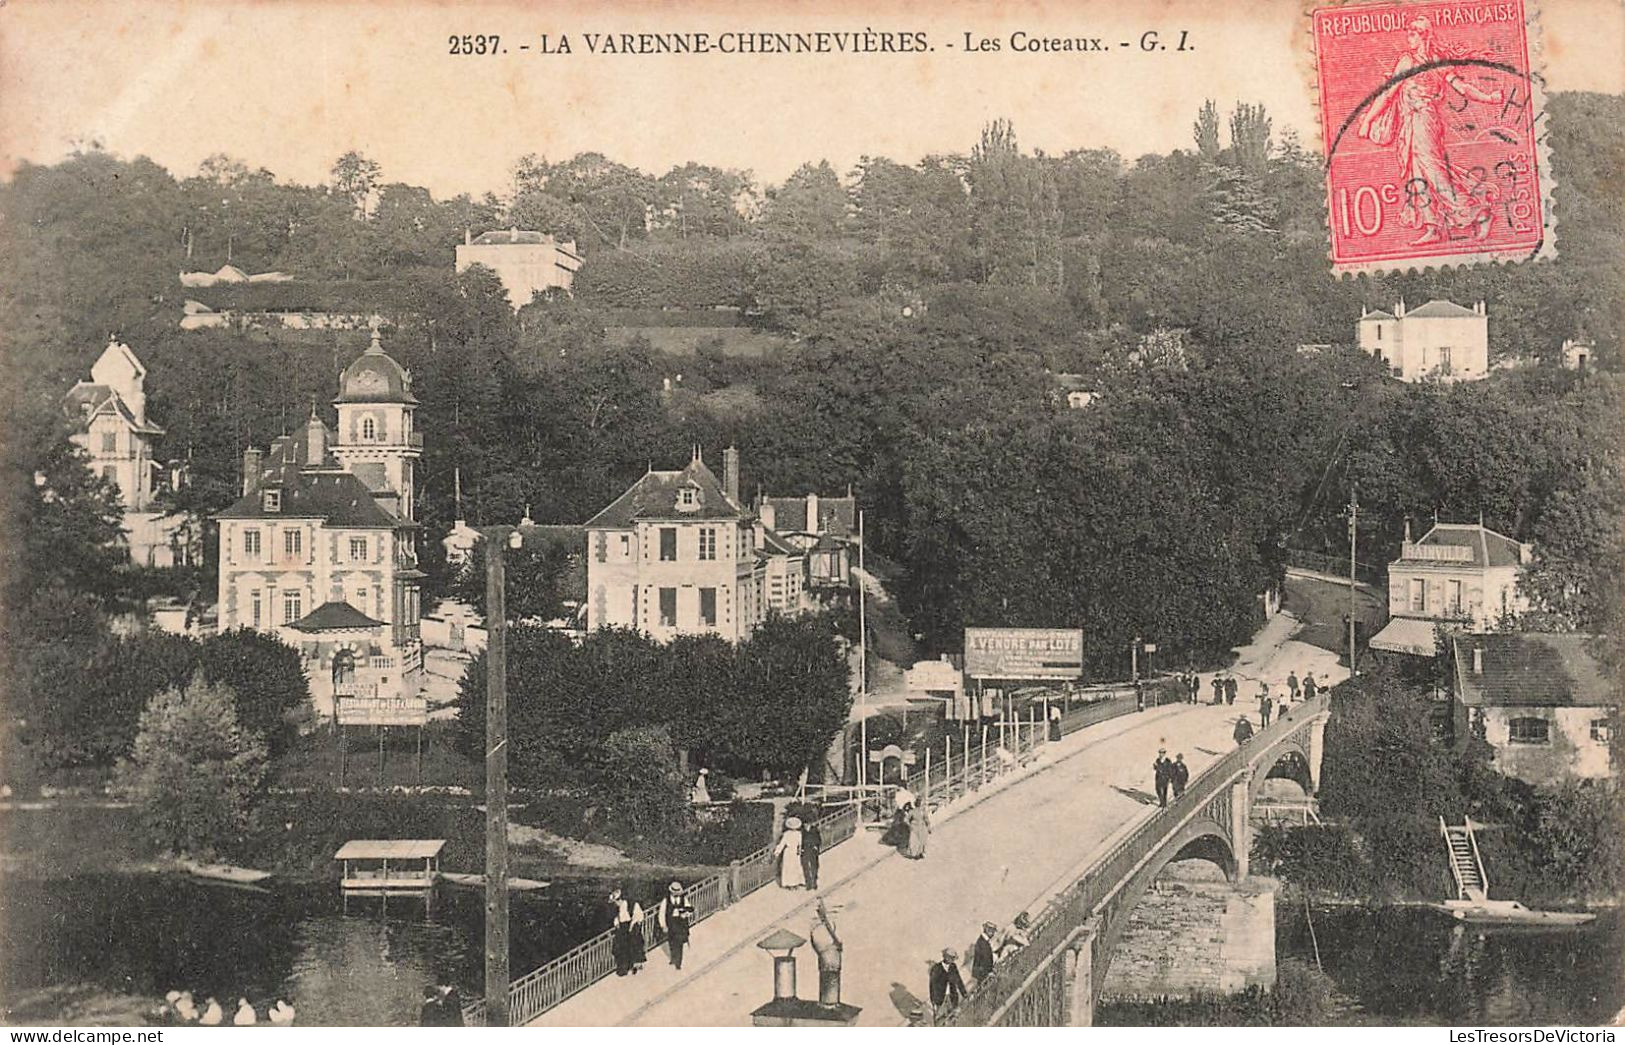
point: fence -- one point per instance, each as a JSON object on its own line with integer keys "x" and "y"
{"x": 590, "y": 961}
{"x": 1370, "y": 573}
{"x": 1030, "y": 989}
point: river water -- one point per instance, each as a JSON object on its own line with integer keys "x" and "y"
{"x": 1410, "y": 965}
{"x": 340, "y": 961}
{"x": 365, "y": 961}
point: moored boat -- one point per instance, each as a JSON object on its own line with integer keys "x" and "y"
{"x": 477, "y": 881}
{"x": 224, "y": 872}
{"x": 1511, "y": 912}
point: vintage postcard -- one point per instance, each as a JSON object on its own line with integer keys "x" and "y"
{"x": 704, "y": 514}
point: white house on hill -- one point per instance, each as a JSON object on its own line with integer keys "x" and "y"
{"x": 1441, "y": 341}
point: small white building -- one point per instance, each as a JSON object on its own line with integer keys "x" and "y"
{"x": 525, "y": 261}
{"x": 1578, "y": 353}
{"x": 1441, "y": 341}
{"x": 1463, "y": 576}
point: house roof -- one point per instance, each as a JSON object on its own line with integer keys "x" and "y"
{"x": 1531, "y": 670}
{"x": 504, "y": 237}
{"x": 390, "y": 849}
{"x": 654, "y": 496}
{"x": 1437, "y": 309}
{"x": 101, "y": 399}
{"x": 776, "y": 545}
{"x": 373, "y": 377}
{"x": 1483, "y": 546}
{"x": 1378, "y": 314}
{"x": 319, "y": 491}
{"x": 836, "y": 515}
{"x": 1407, "y": 635}
{"x": 335, "y": 616}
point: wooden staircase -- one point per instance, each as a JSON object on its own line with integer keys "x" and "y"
{"x": 1466, "y": 865}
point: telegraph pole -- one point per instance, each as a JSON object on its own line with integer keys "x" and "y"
{"x": 496, "y": 784}
{"x": 1354, "y": 517}
{"x": 863, "y": 681}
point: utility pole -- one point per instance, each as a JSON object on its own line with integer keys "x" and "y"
{"x": 496, "y": 784}
{"x": 1354, "y": 521}
{"x": 863, "y": 680}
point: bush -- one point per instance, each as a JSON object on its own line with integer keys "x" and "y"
{"x": 195, "y": 772}
{"x": 637, "y": 775}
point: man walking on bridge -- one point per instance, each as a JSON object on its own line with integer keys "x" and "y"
{"x": 1162, "y": 773}
{"x": 1230, "y": 688}
{"x": 1265, "y": 705}
{"x": 1179, "y": 775}
{"x": 947, "y": 986}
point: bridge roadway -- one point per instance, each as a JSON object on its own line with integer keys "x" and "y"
{"x": 991, "y": 855}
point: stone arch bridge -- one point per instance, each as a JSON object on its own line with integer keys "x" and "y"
{"x": 1057, "y": 980}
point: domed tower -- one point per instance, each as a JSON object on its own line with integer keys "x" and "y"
{"x": 376, "y": 440}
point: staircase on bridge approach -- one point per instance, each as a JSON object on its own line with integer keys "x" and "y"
{"x": 1465, "y": 863}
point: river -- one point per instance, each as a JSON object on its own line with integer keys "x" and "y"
{"x": 365, "y": 961}
{"x": 340, "y": 961}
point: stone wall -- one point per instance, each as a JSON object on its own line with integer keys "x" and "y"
{"x": 1195, "y": 936}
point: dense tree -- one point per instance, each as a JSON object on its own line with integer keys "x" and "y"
{"x": 194, "y": 771}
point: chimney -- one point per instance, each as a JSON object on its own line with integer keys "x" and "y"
{"x": 1407, "y": 529}
{"x": 251, "y": 470}
{"x": 468, "y": 237}
{"x": 812, "y": 514}
{"x": 513, "y": 233}
{"x": 1399, "y": 309}
{"x": 769, "y": 516}
{"x": 315, "y": 440}
{"x": 1478, "y": 660}
{"x": 730, "y": 473}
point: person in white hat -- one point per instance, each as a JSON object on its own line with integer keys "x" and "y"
{"x": 676, "y": 915}
{"x": 788, "y": 853}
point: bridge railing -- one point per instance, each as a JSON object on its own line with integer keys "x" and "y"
{"x": 590, "y": 961}
{"x": 1027, "y": 990}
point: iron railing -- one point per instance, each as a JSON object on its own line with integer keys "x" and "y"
{"x": 1023, "y": 991}
{"x": 590, "y": 961}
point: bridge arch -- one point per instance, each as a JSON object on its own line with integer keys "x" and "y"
{"x": 1292, "y": 764}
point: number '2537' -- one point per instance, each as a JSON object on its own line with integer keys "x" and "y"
{"x": 473, "y": 44}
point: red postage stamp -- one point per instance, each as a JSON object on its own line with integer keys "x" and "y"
{"x": 1433, "y": 123}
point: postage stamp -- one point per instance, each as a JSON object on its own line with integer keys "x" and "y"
{"x": 1433, "y": 122}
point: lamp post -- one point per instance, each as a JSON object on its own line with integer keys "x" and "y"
{"x": 496, "y": 774}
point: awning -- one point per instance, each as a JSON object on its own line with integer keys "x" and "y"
{"x": 1407, "y": 635}
{"x": 390, "y": 849}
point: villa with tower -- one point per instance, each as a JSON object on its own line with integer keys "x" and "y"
{"x": 320, "y": 549}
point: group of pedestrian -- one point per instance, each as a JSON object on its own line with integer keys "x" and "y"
{"x": 675, "y": 916}
{"x": 797, "y": 851}
{"x": 1225, "y": 688}
{"x": 180, "y": 1009}
{"x": 1170, "y": 774}
{"x": 1191, "y": 684}
{"x": 993, "y": 946}
{"x": 910, "y": 825}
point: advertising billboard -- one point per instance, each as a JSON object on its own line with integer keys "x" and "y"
{"x": 383, "y": 711}
{"x": 1023, "y": 653}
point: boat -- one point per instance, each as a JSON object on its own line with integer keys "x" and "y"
{"x": 477, "y": 881}
{"x": 1472, "y": 902}
{"x": 224, "y": 873}
{"x": 1511, "y": 912}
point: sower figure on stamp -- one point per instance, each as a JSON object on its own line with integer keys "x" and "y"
{"x": 1440, "y": 197}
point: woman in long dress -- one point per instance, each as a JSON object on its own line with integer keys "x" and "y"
{"x": 919, "y": 831}
{"x": 788, "y": 853}
{"x": 1410, "y": 115}
{"x": 626, "y": 943}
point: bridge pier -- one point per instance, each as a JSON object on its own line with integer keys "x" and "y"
{"x": 1317, "y": 749}
{"x": 1196, "y": 938}
{"x": 1241, "y": 827}
{"x": 1079, "y": 981}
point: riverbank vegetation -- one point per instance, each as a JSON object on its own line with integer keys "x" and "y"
{"x": 1301, "y": 997}
{"x": 1388, "y": 778}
